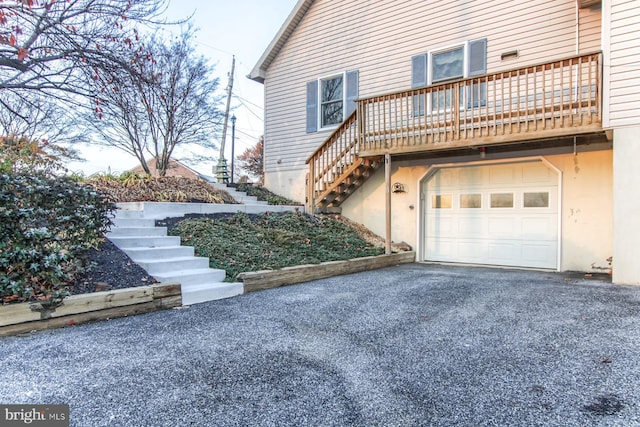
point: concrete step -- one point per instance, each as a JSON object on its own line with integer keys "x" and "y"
{"x": 171, "y": 265}
{"x": 193, "y": 294}
{"x": 192, "y": 276}
{"x": 159, "y": 253}
{"x": 137, "y": 231}
{"x": 126, "y": 242}
{"x": 133, "y": 222}
{"x": 129, "y": 213}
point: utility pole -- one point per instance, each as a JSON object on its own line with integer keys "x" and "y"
{"x": 221, "y": 169}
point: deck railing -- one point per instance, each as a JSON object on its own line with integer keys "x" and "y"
{"x": 553, "y": 98}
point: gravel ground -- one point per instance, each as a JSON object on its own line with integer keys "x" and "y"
{"x": 412, "y": 345}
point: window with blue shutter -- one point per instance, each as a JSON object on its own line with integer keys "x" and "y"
{"x": 331, "y": 99}
{"x": 446, "y": 65}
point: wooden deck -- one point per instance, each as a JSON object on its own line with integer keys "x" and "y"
{"x": 552, "y": 100}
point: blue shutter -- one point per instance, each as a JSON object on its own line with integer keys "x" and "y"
{"x": 351, "y": 91}
{"x": 419, "y": 70}
{"x": 477, "y": 95}
{"x": 312, "y": 106}
{"x": 418, "y": 79}
{"x": 477, "y": 57}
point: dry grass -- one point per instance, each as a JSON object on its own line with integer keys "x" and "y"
{"x": 140, "y": 188}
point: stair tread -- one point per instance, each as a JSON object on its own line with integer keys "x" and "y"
{"x": 169, "y": 259}
{"x": 190, "y": 272}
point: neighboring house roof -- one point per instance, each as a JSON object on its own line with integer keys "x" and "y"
{"x": 175, "y": 168}
{"x": 296, "y": 15}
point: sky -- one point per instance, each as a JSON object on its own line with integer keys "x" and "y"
{"x": 243, "y": 28}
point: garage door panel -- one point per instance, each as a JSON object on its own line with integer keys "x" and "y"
{"x": 442, "y": 249}
{"x": 502, "y": 226}
{"x": 540, "y": 228}
{"x": 472, "y": 251}
{"x": 533, "y": 174}
{"x": 469, "y": 229}
{"x": 472, "y": 226}
{"x": 540, "y": 254}
{"x": 505, "y": 253}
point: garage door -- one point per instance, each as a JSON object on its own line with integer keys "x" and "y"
{"x": 502, "y": 214}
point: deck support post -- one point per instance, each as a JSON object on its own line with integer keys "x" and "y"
{"x": 387, "y": 186}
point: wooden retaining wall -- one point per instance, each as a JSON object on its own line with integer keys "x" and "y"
{"x": 76, "y": 309}
{"x": 267, "y": 279}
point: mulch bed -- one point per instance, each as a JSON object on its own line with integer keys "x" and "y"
{"x": 112, "y": 269}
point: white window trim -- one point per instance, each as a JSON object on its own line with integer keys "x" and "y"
{"x": 465, "y": 71}
{"x": 465, "y": 60}
{"x": 342, "y": 74}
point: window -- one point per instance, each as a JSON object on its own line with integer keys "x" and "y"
{"x": 441, "y": 201}
{"x": 467, "y": 59}
{"x": 471, "y": 201}
{"x": 330, "y": 100}
{"x": 447, "y": 65}
{"x": 536, "y": 200}
{"x": 501, "y": 200}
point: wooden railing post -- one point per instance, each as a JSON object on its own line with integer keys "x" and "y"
{"x": 311, "y": 191}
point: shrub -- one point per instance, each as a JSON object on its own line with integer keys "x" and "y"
{"x": 264, "y": 195}
{"x": 45, "y": 223}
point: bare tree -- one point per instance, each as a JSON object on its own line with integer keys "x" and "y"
{"x": 53, "y": 47}
{"x": 170, "y": 101}
{"x": 39, "y": 118}
{"x": 252, "y": 160}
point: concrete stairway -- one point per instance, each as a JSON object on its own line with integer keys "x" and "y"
{"x": 166, "y": 260}
{"x": 241, "y": 197}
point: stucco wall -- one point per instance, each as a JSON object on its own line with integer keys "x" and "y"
{"x": 626, "y": 207}
{"x": 587, "y": 214}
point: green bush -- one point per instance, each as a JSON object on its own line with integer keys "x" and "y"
{"x": 46, "y": 221}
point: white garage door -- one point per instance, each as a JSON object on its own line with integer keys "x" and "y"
{"x": 503, "y": 214}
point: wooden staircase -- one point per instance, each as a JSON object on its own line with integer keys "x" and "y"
{"x": 335, "y": 169}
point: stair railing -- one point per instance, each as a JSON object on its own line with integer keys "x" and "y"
{"x": 338, "y": 151}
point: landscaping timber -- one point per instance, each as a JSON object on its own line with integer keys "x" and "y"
{"x": 76, "y": 309}
{"x": 267, "y": 279}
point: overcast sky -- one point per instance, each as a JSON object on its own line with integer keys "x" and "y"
{"x": 243, "y": 28}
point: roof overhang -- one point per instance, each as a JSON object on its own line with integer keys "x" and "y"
{"x": 259, "y": 70}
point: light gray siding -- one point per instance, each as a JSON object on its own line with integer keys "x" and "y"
{"x": 378, "y": 38}
{"x": 624, "y": 66}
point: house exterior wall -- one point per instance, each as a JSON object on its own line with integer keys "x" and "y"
{"x": 621, "y": 26}
{"x": 586, "y": 216}
{"x": 379, "y": 38}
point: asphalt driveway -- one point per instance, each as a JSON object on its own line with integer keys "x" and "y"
{"x": 410, "y": 345}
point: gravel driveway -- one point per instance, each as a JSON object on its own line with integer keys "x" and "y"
{"x": 410, "y": 345}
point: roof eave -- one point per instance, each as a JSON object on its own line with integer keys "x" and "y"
{"x": 258, "y": 73}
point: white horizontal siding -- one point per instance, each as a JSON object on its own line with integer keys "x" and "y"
{"x": 378, "y": 38}
{"x": 624, "y": 63}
